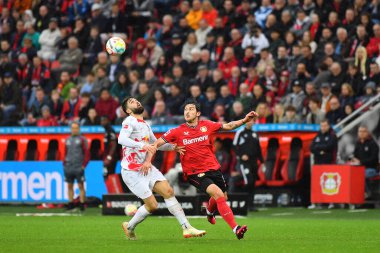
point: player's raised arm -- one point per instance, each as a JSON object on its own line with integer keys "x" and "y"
{"x": 237, "y": 123}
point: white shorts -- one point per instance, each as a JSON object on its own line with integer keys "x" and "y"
{"x": 139, "y": 184}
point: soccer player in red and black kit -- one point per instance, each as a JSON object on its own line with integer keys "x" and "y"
{"x": 199, "y": 163}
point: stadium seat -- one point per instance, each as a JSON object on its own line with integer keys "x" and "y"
{"x": 52, "y": 153}
{"x": 292, "y": 169}
{"x": 95, "y": 150}
{"x": 31, "y": 153}
{"x": 11, "y": 154}
{"x": 269, "y": 170}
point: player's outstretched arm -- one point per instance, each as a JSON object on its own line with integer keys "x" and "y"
{"x": 237, "y": 123}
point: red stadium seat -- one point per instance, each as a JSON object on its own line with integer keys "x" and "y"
{"x": 292, "y": 169}
{"x": 269, "y": 169}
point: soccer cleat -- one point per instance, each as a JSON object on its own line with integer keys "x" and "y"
{"x": 240, "y": 231}
{"x": 130, "y": 234}
{"x": 193, "y": 232}
{"x": 210, "y": 217}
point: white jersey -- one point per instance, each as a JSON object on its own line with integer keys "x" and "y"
{"x": 140, "y": 133}
{"x": 134, "y": 134}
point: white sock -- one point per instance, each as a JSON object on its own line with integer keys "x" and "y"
{"x": 176, "y": 209}
{"x": 139, "y": 216}
{"x": 234, "y": 230}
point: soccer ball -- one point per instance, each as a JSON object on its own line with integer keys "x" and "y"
{"x": 130, "y": 209}
{"x": 115, "y": 45}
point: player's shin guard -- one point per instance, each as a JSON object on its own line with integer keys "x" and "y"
{"x": 139, "y": 216}
{"x": 211, "y": 208}
{"x": 226, "y": 212}
{"x": 176, "y": 209}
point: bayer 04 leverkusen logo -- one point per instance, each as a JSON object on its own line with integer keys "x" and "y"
{"x": 330, "y": 183}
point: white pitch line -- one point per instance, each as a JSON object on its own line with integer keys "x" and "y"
{"x": 201, "y": 217}
{"x": 47, "y": 214}
{"x": 321, "y": 212}
{"x": 282, "y": 214}
{"x": 357, "y": 211}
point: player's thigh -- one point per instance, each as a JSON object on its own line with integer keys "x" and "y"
{"x": 137, "y": 183}
{"x": 164, "y": 189}
{"x": 217, "y": 177}
{"x": 200, "y": 181}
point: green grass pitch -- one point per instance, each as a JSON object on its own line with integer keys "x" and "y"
{"x": 271, "y": 230}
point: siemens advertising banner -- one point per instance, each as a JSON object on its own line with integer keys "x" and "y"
{"x": 38, "y": 182}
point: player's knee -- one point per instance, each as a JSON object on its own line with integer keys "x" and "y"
{"x": 169, "y": 192}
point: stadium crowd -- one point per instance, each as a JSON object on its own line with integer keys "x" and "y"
{"x": 291, "y": 61}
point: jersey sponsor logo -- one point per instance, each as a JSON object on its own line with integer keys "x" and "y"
{"x": 195, "y": 140}
{"x": 203, "y": 129}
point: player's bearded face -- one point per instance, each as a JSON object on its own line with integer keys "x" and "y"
{"x": 138, "y": 110}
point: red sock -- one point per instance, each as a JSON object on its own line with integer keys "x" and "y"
{"x": 226, "y": 212}
{"x": 211, "y": 205}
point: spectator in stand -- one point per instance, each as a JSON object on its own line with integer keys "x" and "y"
{"x": 202, "y": 31}
{"x": 93, "y": 48}
{"x": 38, "y": 102}
{"x": 39, "y": 77}
{"x": 245, "y": 97}
{"x": 106, "y": 105}
{"x": 219, "y": 114}
{"x": 265, "y": 114}
{"x": 335, "y": 114}
{"x": 154, "y": 51}
{"x": 291, "y": 115}
{"x": 302, "y": 23}
{"x": 326, "y": 97}
{"x": 47, "y": 120}
{"x": 161, "y": 115}
{"x": 209, "y": 13}
{"x": 86, "y": 104}
{"x": 256, "y": 39}
{"x": 101, "y": 82}
{"x": 346, "y": 95}
{"x": 361, "y": 61}
{"x": 42, "y": 20}
{"x": 89, "y": 84}
{"x": 229, "y": 61}
{"x": 47, "y": 41}
{"x": 55, "y": 104}
{"x": 120, "y": 89}
{"x": 191, "y": 43}
{"x": 369, "y": 93}
{"x": 195, "y": 15}
{"x": 92, "y": 118}
{"x": 175, "y": 99}
{"x": 114, "y": 68}
{"x": 209, "y": 103}
{"x": 278, "y": 113}
{"x": 262, "y": 13}
{"x": 315, "y": 116}
{"x": 65, "y": 85}
{"x": 223, "y": 157}
{"x": 99, "y": 20}
{"x": 71, "y": 57}
{"x": 337, "y": 78}
{"x": 237, "y": 111}
{"x": 374, "y": 42}
{"x": 71, "y": 107}
{"x": 102, "y": 62}
{"x": 10, "y": 99}
{"x": 295, "y": 98}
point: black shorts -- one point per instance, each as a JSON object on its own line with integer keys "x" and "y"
{"x": 203, "y": 180}
{"x": 72, "y": 175}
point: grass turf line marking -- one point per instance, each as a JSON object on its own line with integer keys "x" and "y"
{"x": 47, "y": 214}
{"x": 321, "y": 212}
{"x": 282, "y": 214}
{"x": 357, "y": 211}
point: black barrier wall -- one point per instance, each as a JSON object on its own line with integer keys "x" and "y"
{"x": 114, "y": 204}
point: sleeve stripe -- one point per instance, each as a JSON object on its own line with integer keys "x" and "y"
{"x": 164, "y": 139}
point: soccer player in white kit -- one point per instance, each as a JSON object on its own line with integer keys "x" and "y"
{"x": 142, "y": 177}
